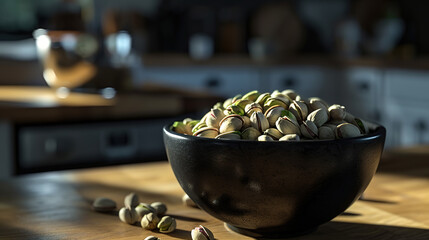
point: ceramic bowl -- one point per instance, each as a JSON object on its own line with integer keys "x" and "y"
{"x": 274, "y": 189}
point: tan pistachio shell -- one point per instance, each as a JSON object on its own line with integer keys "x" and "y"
{"x": 326, "y": 132}
{"x": 230, "y": 123}
{"x": 234, "y": 135}
{"x": 316, "y": 103}
{"x": 207, "y": 132}
{"x": 288, "y": 126}
{"x": 265, "y": 138}
{"x": 273, "y": 113}
{"x": 201, "y": 233}
{"x": 290, "y": 137}
{"x": 150, "y": 221}
{"x": 167, "y": 224}
{"x": 131, "y": 200}
{"x": 273, "y": 133}
{"x": 214, "y": 117}
{"x": 290, "y": 93}
{"x": 246, "y": 122}
{"x": 250, "y": 133}
{"x": 259, "y": 121}
{"x": 319, "y": 116}
{"x": 299, "y": 109}
{"x": 262, "y": 98}
{"x": 309, "y": 129}
{"x": 347, "y": 130}
{"x": 252, "y": 107}
{"x": 337, "y": 112}
{"x": 128, "y": 215}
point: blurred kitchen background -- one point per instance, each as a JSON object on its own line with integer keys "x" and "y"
{"x": 91, "y": 82}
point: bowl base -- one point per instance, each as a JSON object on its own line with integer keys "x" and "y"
{"x": 271, "y": 235}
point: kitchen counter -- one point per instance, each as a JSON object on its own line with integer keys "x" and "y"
{"x": 57, "y": 205}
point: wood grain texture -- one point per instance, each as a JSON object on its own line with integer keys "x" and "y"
{"x": 57, "y": 205}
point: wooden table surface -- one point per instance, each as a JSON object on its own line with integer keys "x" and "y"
{"x": 57, "y": 205}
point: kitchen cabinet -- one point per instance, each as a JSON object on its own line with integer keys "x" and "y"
{"x": 222, "y": 81}
{"x": 406, "y": 107}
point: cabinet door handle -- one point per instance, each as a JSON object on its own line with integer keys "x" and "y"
{"x": 212, "y": 83}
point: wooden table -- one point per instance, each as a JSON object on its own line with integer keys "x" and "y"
{"x": 57, "y": 205}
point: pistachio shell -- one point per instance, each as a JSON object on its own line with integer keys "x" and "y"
{"x": 236, "y": 98}
{"x": 272, "y": 101}
{"x": 299, "y": 109}
{"x": 290, "y": 93}
{"x": 231, "y": 123}
{"x": 226, "y": 103}
{"x": 149, "y": 221}
{"x": 290, "y": 137}
{"x": 103, "y": 204}
{"x": 326, "y": 132}
{"x": 128, "y": 215}
{"x": 234, "y": 109}
{"x": 207, "y": 132}
{"x": 160, "y": 208}
{"x": 219, "y": 105}
{"x": 214, "y": 118}
{"x": 151, "y": 238}
{"x": 337, "y": 112}
{"x": 265, "y": 138}
{"x": 347, "y": 130}
{"x": 131, "y": 200}
{"x": 143, "y": 209}
{"x": 252, "y": 107}
{"x": 262, "y": 98}
{"x": 250, "y": 133}
{"x": 252, "y": 96}
{"x": 198, "y": 126}
{"x": 288, "y": 125}
{"x": 235, "y": 135}
{"x": 167, "y": 224}
{"x": 242, "y": 103}
{"x": 201, "y": 233}
{"x": 317, "y": 103}
{"x": 273, "y": 113}
{"x": 309, "y": 129}
{"x": 361, "y": 124}
{"x": 319, "y": 116}
{"x": 273, "y": 133}
{"x": 179, "y": 127}
{"x": 246, "y": 123}
{"x": 259, "y": 121}
{"x": 188, "y": 201}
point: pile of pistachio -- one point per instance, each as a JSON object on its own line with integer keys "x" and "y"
{"x": 283, "y": 116}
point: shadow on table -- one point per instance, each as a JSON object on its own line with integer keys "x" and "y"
{"x": 355, "y": 231}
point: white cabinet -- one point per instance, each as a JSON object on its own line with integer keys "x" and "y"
{"x": 308, "y": 81}
{"x": 407, "y": 107}
{"x": 223, "y": 81}
{"x": 361, "y": 92}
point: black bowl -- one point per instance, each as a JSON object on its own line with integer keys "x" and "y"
{"x": 274, "y": 189}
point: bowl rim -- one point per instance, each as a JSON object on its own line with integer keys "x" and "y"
{"x": 377, "y": 132}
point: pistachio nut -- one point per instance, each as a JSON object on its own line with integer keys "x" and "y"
{"x": 250, "y": 133}
{"x": 214, "y": 118}
{"x": 131, "y": 200}
{"x": 167, "y": 224}
{"x": 180, "y": 127}
{"x": 188, "y": 201}
{"x": 252, "y": 96}
{"x": 187, "y": 120}
{"x": 262, "y": 98}
{"x": 273, "y": 113}
{"x": 272, "y": 101}
{"x": 290, "y": 93}
{"x": 347, "y": 130}
{"x": 103, "y": 204}
{"x": 290, "y": 137}
{"x": 316, "y": 103}
{"x": 219, "y": 105}
{"x": 361, "y": 124}
{"x": 231, "y": 123}
{"x": 265, "y": 138}
{"x": 143, "y": 209}
{"x": 259, "y": 121}
{"x": 246, "y": 122}
{"x": 273, "y": 133}
{"x": 326, "y": 132}
{"x": 288, "y": 125}
{"x": 235, "y": 135}
{"x": 299, "y": 109}
{"x": 207, "y": 132}
{"x": 234, "y": 109}
{"x": 252, "y": 107}
{"x": 160, "y": 207}
{"x": 242, "y": 103}
{"x": 309, "y": 129}
{"x": 226, "y": 103}
{"x": 236, "y": 98}
{"x": 335, "y": 122}
{"x": 319, "y": 116}
{"x": 150, "y": 221}
{"x": 202, "y": 233}
{"x": 128, "y": 215}
{"x": 151, "y": 238}
{"x": 337, "y": 112}
{"x": 198, "y": 126}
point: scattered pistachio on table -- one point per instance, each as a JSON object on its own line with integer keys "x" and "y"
{"x": 167, "y": 224}
{"x": 103, "y": 204}
{"x": 202, "y": 233}
{"x": 150, "y": 221}
{"x": 160, "y": 208}
{"x": 188, "y": 201}
{"x": 128, "y": 215}
{"x": 131, "y": 200}
{"x": 283, "y": 113}
{"x": 152, "y": 238}
{"x": 143, "y": 209}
